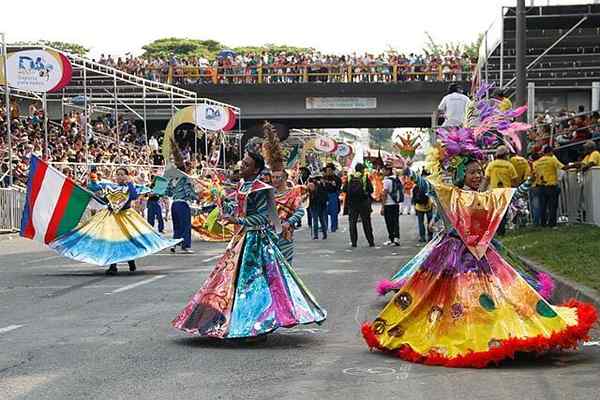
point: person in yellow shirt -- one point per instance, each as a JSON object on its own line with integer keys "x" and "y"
{"x": 522, "y": 167}
{"x": 500, "y": 173}
{"x": 545, "y": 172}
{"x": 591, "y": 157}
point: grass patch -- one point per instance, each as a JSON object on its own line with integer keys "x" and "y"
{"x": 572, "y": 251}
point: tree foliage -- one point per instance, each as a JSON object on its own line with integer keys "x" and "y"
{"x": 434, "y": 48}
{"x": 380, "y": 138}
{"x": 69, "y": 47}
{"x": 182, "y": 47}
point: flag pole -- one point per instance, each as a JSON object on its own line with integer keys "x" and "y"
{"x": 7, "y": 101}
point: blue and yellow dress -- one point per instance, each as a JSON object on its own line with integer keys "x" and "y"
{"x": 114, "y": 234}
{"x": 252, "y": 290}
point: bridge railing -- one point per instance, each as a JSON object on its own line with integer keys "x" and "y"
{"x": 325, "y": 73}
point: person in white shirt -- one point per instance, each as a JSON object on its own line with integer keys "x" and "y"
{"x": 453, "y": 105}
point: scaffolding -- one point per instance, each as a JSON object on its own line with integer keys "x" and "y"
{"x": 98, "y": 88}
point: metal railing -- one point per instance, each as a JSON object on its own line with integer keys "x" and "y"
{"x": 306, "y": 73}
{"x": 12, "y": 201}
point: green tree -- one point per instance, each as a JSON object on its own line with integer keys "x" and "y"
{"x": 437, "y": 49}
{"x": 69, "y": 47}
{"x": 380, "y": 138}
{"x": 167, "y": 47}
{"x": 272, "y": 49}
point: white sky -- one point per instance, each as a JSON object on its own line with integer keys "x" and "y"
{"x": 335, "y": 26}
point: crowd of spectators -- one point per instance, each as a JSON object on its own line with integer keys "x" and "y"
{"x": 563, "y": 129}
{"x": 297, "y": 67}
{"x": 68, "y": 144}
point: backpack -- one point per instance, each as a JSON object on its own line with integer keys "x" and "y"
{"x": 419, "y": 196}
{"x": 356, "y": 190}
{"x": 397, "y": 193}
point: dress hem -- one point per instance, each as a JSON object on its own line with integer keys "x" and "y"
{"x": 565, "y": 339}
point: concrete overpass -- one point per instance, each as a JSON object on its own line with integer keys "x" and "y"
{"x": 332, "y": 105}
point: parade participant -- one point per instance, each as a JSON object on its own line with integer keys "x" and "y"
{"x": 115, "y": 234}
{"x": 253, "y": 290}
{"x": 154, "y": 210}
{"x": 545, "y": 171}
{"x": 358, "y": 195}
{"x": 182, "y": 191}
{"x": 407, "y": 185}
{"x": 287, "y": 200}
{"x": 333, "y": 185}
{"x": 462, "y": 304}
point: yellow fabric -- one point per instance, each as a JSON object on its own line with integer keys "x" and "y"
{"x": 424, "y": 208}
{"x": 522, "y": 167}
{"x": 592, "y": 159}
{"x": 501, "y": 174}
{"x": 546, "y": 170}
{"x": 474, "y": 215}
{"x": 115, "y": 226}
{"x": 458, "y": 313}
{"x": 183, "y": 116}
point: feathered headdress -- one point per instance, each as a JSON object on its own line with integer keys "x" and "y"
{"x": 488, "y": 123}
{"x": 271, "y": 149}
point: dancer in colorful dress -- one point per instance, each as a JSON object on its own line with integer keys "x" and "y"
{"x": 463, "y": 304}
{"x": 287, "y": 200}
{"x": 253, "y": 290}
{"x": 115, "y": 234}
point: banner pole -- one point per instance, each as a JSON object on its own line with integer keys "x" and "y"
{"x": 45, "y": 100}
{"x": 7, "y": 102}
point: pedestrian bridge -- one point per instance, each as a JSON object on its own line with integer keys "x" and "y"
{"x": 332, "y": 105}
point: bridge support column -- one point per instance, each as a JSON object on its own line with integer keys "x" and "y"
{"x": 530, "y": 102}
{"x": 595, "y": 96}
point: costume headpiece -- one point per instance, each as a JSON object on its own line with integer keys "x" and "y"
{"x": 488, "y": 124}
{"x": 271, "y": 148}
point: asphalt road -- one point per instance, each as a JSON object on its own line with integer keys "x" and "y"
{"x": 69, "y": 332}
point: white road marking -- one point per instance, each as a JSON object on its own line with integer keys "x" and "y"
{"x": 211, "y": 258}
{"x": 41, "y": 259}
{"x": 134, "y": 285}
{"x": 339, "y": 271}
{"x": 591, "y": 343}
{"x": 10, "y": 328}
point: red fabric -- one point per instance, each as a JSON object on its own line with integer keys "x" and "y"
{"x": 568, "y": 338}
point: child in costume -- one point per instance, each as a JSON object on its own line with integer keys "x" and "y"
{"x": 462, "y": 304}
{"x": 253, "y": 290}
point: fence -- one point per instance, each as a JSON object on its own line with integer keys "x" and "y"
{"x": 12, "y": 201}
{"x": 579, "y": 199}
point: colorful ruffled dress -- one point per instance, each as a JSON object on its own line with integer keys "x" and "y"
{"x": 252, "y": 290}
{"x": 289, "y": 209}
{"x": 206, "y": 224}
{"x": 114, "y": 234}
{"x": 463, "y": 304}
{"x": 541, "y": 281}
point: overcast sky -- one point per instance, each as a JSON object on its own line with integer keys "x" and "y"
{"x": 118, "y": 27}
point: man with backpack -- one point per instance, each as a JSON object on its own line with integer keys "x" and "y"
{"x": 358, "y": 196}
{"x": 423, "y": 208}
{"x": 393, "y": 195}
{"x": 318, "y": 205}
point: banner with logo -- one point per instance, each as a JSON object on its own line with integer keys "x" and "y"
{"x": 343, "y": 150}
{"x": 325, "y": 144}
{"x": 214, "y": 117}
{"x": 38, "y": 71}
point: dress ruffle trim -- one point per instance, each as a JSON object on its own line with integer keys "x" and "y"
{"x": 565, "y": 339}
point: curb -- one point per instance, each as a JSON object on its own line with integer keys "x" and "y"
{"x": 566, "y": 289}
{"x": 8, "y": 236}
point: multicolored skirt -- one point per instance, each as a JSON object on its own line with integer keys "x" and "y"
{"x": 252, "y": 291}
{"x": 219, "y": 233}
{"x": 109, "y": 237}
{"x": 541, "y": 281}
{"x": 457, "y": 311}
